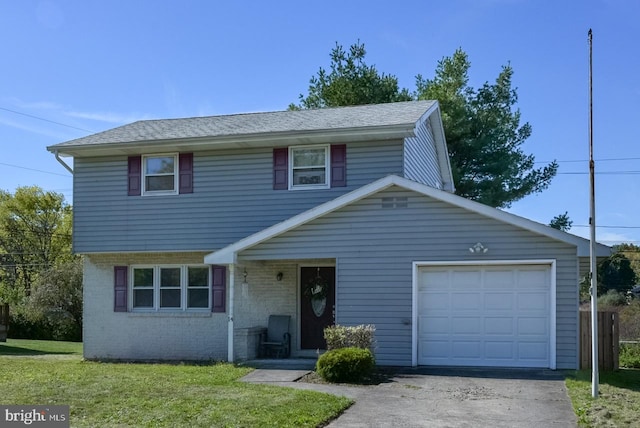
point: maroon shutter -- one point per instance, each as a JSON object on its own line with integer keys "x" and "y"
{"x": 219, "y": 288}
{"x": 185, "y": 173}
{"x": 135, "y": 175}
{"x": 338, "y": 165}
{"x": 280, "y": 168}
{"x": 120, "y": 288}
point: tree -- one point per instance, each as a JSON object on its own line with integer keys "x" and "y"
{"x": 632, "y": 252}
{"x": 482, "y": 127}
{"x": 35, "y": 235}
{"x": 350, "y": 82}
{"x": 57, "y": 296}
{"x": 484, "y": 135}
{"x": 561, "y": 222}
{"x": 615, "y": 273}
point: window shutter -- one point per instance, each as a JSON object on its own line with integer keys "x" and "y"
{"x": 120, "y": 288}
{"x": 218, "y": 288}
{"x": 185, "y": 173}
{"x": 135, "y": 175}
{"x": 280, "y": 168}
{"x": 338, "y": 165}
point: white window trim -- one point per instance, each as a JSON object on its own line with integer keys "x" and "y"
{"x": 176, "y": 174}
{"x": 184, "y": 286}
{"x": 327, "y": 168}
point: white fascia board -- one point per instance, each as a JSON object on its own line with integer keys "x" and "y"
{"x": 442, "y": 151}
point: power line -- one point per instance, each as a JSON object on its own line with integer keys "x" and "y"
{"x": 608, "y": 227}
{"x": 34, "y": 169}
{"x": 586, "y": 160}
{"x": 46, "y": 120}
{"x": 600, "y": 173}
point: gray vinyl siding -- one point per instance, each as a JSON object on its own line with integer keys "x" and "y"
{"x": 421, "y": 159}
{"x": 374, "y": 249}
{"x": 233, "y": 197}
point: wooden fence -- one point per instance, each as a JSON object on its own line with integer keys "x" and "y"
{"x": 4, "y": 322}
{"x": 608, "y": 340}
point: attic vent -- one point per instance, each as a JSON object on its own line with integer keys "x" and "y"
{"x": 395, "y": 202}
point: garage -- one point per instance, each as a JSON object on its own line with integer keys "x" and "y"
{"x": 494, "y": 314}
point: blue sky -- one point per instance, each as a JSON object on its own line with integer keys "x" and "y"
{"x": 87, "y": 66}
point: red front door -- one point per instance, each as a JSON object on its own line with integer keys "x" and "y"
{"x": 316, "y": 313}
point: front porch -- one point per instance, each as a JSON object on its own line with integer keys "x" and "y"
{"x": 264, "y": 288}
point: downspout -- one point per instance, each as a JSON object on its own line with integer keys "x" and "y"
{"x": 63, "y": 163}
{"x": 232, "y": 280}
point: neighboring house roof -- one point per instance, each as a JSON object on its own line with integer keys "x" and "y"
{"x": 229, "y": 254}
{"x": 356, "y": 123}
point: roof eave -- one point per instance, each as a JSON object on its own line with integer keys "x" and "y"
{"x": 268, "y": 139}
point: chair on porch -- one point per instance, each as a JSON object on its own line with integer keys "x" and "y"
{"x": 276, "y": 342}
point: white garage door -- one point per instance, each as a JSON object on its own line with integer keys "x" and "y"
{"x": 495, "y": 315}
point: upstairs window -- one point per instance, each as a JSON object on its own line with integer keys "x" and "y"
{"x": 159, "y": 175}
{"x": 166, "y": 174}
{"x": 309, "y": 167}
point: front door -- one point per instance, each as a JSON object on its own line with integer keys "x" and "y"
{"x": 317, "y": 305}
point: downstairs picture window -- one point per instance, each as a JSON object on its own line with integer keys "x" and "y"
{"x": 170, "y": 288}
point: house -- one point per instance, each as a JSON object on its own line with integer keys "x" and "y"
{"x": 195, "y": 230}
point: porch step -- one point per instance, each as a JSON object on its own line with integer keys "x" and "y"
{"x": 281, "y": 363}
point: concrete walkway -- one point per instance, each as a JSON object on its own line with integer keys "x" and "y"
{"x": 445, "y": 397}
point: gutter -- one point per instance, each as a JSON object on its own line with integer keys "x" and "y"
{"x": 63, "y": 163}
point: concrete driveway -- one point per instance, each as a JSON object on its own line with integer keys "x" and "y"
{"x": 446, "y": 397}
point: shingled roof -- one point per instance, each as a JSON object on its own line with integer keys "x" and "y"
{"x": 398, "y": 116}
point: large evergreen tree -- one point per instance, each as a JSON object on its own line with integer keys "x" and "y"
{"x": 484, "y": 135}
{"x": 350, "y": 82}
{"x": 482, "y": 126}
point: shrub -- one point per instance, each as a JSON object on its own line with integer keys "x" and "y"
{"x": 345, "y": 365}
{"x": 630, "y": 321}
{"x": 361, "y": 336}
{"x": 630, "y": 355}
{"x": 26, "y": 322}
{"x": 611, "y": 300}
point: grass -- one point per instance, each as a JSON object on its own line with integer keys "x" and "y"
{"x": 630, "y": 355}
{"x": 154, "y": 395}
{"x": 39, "y": 347}
{"x": 618, "y": 402}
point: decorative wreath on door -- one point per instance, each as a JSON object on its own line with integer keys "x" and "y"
{"x": 317, "y": 287}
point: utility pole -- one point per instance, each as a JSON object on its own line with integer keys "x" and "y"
{"x": 592, "y": 225}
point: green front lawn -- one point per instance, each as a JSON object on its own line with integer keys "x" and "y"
{"x": 39, "y": 347}
{"x": 153, "y": 395}
{"x": 618, "y": 403}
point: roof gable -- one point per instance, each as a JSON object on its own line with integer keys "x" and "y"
{"x": 228, "y": 254}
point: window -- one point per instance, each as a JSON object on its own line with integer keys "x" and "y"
{"x": 198, "y": 287}
{"x": 170, "y": 288}
{"x": 159, "y": 175}
{"x": 166, "y": 288}
{"x": 167, "y": 174}
{"x": 143, "y": 288}
{"x": 309, "y": 167}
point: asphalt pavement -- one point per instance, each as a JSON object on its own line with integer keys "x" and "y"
{"x": 445, "y": 397}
